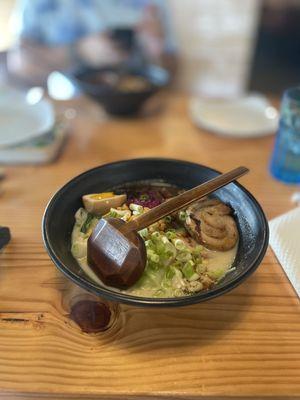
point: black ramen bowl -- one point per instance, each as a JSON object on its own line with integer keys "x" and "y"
{"x": 59, "y": 219}
{"x": 115, "y": 101}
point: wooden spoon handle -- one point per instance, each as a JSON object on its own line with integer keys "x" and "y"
{"x": 183, "y": 200}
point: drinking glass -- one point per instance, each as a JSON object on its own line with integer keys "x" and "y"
{"x": 285, "y": 161}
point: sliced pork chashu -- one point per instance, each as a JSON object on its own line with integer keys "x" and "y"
{"x": 209, "y": 221}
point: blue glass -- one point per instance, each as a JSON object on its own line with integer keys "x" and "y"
{"x": 285, "y": 162}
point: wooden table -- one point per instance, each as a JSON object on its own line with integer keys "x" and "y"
{"x": 245, "y": 344}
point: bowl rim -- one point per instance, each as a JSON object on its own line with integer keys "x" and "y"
{"x": 149, "y": 301}
{"x": 76, "y": 76}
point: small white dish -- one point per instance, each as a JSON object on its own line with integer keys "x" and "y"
{"x": 248, "y": 116}
{"x": 22, "y": 120}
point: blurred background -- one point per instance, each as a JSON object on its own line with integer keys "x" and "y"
{"x": 207, "y": 35}
{"x": 231, "y": 59}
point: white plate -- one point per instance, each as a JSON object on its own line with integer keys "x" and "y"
{"x": 20, "y": 120}
{"x": 249, "y": 116}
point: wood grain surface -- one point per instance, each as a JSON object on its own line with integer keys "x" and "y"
{"x": 243, "y": 345}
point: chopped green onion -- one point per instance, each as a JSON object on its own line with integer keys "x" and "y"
{"x": 158, "y": 293}
{"x": 144, "y": 197}
{"x": 79, "y": 248}
{"x": 194, "y": 277}
{"x": 171, "y": 234}
{"x": 197, "y": 250}
{"x": 155, "y": 235}
{"x": 149, "y": 244}
{"x": 216, "y": 274}
{"x": 154, "y": 266}
{"x": 152, "y": 256}
{"x": 178, "y": 292}
{"x": 170, "y": 273}
{"x": 164, "y": 239}
{"x": 184, "y": 256}
{"x": 144, "y": 233}
{"x": 182, "y": 215}
{"x": 80, "y": 216}
{"x": 179, "y": 244}
{"x": 188, "y": 269}
{"x": 136, "y": 207}
{"x": 87, "y": 223}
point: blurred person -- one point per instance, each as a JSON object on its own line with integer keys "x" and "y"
{"x": 56, "y": 34}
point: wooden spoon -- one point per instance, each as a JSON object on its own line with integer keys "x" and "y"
{"x": 117, "y": 253}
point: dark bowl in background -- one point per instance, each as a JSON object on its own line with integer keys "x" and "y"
{"x": 115, "y": 102}
{"x": 59, "y": 219}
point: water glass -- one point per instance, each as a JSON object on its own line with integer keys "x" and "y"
{"x": 285, "y": 162}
